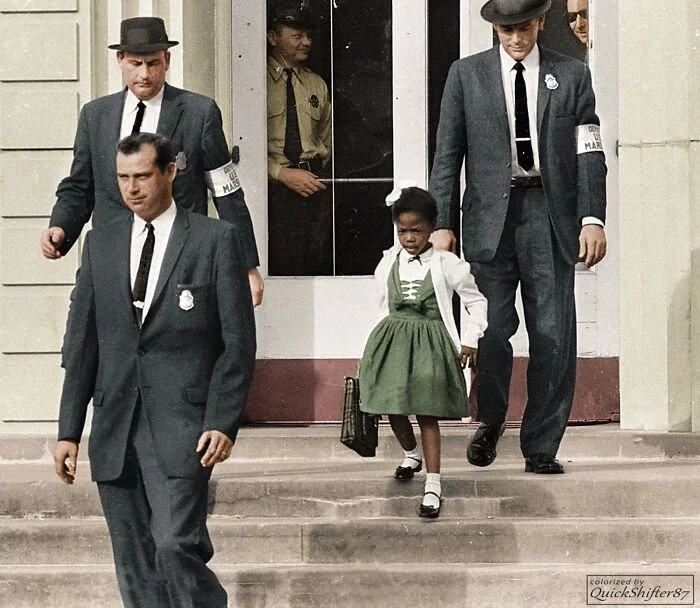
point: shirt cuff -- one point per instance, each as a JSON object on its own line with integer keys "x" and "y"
{"x": 471, "y": 338}
{"x": 273, "y": 171}
{"x": 589, "y": 219}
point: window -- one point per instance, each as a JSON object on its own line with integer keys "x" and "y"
{"x": 352, "y": 52}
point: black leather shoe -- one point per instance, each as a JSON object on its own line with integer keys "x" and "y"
{"x": 481, "y": 451}
{"x": 544, "y": 464}
{"x": 406, "y": 473}
{"x": 430, "y": 511}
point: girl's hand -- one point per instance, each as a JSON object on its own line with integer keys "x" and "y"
{"x": 468, "y": 356}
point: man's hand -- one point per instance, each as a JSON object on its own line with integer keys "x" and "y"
{"x": 303, "y": 182}
{"x": 50, "y": 241}
{"x": 218, "y": 447}
{"x": 65, "y": 457}
{"x": 592, "y": 244}
{"x": 444, "y": 240}
{"x": 467, "y": 356}
{"x": 257, "y": 286}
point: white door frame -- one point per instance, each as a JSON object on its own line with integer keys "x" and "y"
{"x": 321, "y": 317}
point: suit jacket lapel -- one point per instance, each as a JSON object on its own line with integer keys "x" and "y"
{"x": 170, "y": 111}
{"x": 122, "y": 265}
{"x": 178, "y": 237}
{"x": 112, "y": 130}
{"x": 493, "y": 82}
{"x": 543, "y": 91}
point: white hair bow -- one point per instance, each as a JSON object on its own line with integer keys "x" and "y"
{"x": 394, "y": 195}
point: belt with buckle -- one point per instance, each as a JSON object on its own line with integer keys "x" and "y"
{"x": 530, "y": 181}
{"x": 314, "y": 165}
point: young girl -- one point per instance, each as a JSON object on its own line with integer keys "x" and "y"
{"x": 414, "y": 359}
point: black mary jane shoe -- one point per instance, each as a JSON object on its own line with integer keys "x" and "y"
{"x": 543, "y": 464}
{"x": 406, "y": 473}
{"x": 428, "y": 511}
{"x": 481, "y": 451}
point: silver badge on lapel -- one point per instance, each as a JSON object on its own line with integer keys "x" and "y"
{"x": 186, "y": 300}
{"x": 551, "y": 82}
{"x": 181, "y": 161}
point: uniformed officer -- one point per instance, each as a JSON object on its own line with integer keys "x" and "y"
{"x": 298, "y": 149}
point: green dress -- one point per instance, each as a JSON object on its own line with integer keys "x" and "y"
{"x": 410, "y": 364}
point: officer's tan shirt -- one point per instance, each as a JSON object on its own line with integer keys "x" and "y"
{"x": 313, "y": 110}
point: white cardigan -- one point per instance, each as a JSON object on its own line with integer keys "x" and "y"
{"x": 449, "y": 274}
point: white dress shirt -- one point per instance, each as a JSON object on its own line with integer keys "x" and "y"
{"x": 162, "y": 226}
{"x": 531, "y": 74}
{"x": 150, "y": 116}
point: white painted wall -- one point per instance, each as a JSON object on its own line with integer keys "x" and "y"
{"x": 660, "y": 211}
{"x": 42, "y": 86}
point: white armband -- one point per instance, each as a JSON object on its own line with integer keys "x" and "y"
{"x": 588, "y": 139}
{"x": 222, "y": 181}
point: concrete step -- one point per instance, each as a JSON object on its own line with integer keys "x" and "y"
{"x": 363, "y": 586}
{"x": 381, "y": 540}
{"x": 299, "y": 521}
{"x": 321, "y": 442}
{"x": 607, "y": 488}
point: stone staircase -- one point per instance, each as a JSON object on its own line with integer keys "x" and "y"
{"x": 299, "y": 521}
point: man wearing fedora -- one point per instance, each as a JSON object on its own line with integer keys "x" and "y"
{"x": 191, "y": 121}
{"x": 523, "y": 120}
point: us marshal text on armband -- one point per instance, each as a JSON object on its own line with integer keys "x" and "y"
{"x": 588, "y": 139}
{"x": 223, "y": 181}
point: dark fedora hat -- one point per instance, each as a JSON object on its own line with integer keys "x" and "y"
{"x": 512, "y": 12}
{"x": 143, "y": 35}
{"x": 292, "y": 13}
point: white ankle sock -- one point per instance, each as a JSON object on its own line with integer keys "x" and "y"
{"x": 432, "y": 484}
{"x": 411, "y": 458}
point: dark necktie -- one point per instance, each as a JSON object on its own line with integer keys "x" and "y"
{"x": 415, "y": 258}
{"x": 523, "y": 143}
{"x": 292, "y": 139}
{"x": 141, "y": 281}
{"x": 139, "y": 117}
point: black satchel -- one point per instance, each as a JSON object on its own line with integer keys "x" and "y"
{"x": 359, "y": 431}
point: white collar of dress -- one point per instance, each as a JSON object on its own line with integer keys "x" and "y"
{"x": 421, "y": 258}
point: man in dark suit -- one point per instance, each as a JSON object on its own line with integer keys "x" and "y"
{"x": 191, "y": 121}
{"x": 524, "y": 119}
{"x": 161, "y": 337}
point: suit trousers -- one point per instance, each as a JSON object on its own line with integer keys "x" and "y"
{"x": 159, "y": 534}
{"x": 300, "y": 232}
{"x": 528, "y": 255}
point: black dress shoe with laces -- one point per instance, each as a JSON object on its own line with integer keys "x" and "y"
{"x": 406, "y": 473}
{"x": 544, "y": 464}
{"x": 482, "y": 448}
